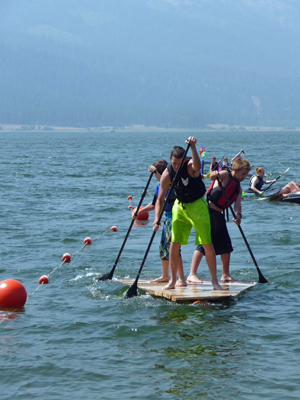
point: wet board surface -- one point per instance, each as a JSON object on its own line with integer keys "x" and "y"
{"x": 194, "y": 292}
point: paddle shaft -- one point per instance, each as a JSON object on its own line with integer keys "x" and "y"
{"x": 110, "y": 274}
{"x": 277, "y": 179}
{"x": 261, "y": 279}
{"x": 132, "y": 291}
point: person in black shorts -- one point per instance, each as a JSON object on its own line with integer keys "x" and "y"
{"x": 217, "y": 203}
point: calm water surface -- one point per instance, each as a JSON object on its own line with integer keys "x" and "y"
{"x": 79, "y": 338}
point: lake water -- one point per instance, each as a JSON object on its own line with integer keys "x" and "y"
{"x": 79, "y": 338}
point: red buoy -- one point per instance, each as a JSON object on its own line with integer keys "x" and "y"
{"x": 129, "y": 206}
{"x": 12, "y": 293}
{"x": 113, "y": 229}
{"x": 144, "y": 216}
{"x": 87, "y": 240}
{"x": 66, "y": 257}
{"x": 43, "y": 280}
{"x": 129, "y": 198}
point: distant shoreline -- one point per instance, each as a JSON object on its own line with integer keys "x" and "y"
{"x": 140, "y": 128}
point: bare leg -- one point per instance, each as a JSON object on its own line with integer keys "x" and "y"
{"x": 225, "y": 259}
{"x": 212, "y": 265}
{"x": 165, "y": 272}
{"x": 175, "y": 265}
{"x": 197, "y": 257}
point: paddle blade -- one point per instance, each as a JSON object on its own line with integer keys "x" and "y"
{"x": 261, "y": 278}
{"x": 132, "y": 291}
{"x": 106, "y": 277}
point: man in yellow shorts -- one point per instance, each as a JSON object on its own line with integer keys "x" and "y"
{"x": 189, "y": 210}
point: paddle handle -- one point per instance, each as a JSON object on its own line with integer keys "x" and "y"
{"x": 277, "y": 179}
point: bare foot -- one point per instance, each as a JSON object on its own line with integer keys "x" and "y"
{"x": 161, "y": 279}
{"x": 193, "y": 279}
{"x": 170, "y": 285}
{"x": 180, "y": 283}
{"x": 217, "y": 286}
{"x": 227, "y": 278}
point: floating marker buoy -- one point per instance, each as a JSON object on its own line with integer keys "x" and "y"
{"x": 12, "y": 293}
{"x": 43, "y": 280}
{"x": 129, "y": 198}
{"x": 66, "y": 257}
{"x": 87, "y": 240}
{"x": 113, "y": 229}
{"x": 129, "y": 206}
{"x": 142, "y": 217}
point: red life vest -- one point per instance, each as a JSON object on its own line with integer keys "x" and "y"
{"x": 215, "y": 194}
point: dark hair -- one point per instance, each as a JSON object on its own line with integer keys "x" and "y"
{"x": 177, "y": 152}
{"x": 160, "y": 165}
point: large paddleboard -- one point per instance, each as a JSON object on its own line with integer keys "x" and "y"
{"x": 194, "y": 292}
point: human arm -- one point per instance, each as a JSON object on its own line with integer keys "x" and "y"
{"x": 194, "y": 165}
{"x": 155, "y": 172}
{"x": 222, "y": 175}
{"x": 238, "y": 208}
{"x": 272, "y": 181}
{"x": 238, "y": 154}
{"x": 149, "y": 207}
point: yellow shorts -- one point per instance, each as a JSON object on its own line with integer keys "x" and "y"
{"x": 188, "y": 215}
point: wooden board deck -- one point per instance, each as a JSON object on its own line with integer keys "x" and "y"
{"x": 194, "y": 292}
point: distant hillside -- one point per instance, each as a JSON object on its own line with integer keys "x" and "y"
{"x": 164, "y": 63}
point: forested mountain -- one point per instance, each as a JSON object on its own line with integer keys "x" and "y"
{"x": 169, "y": 63}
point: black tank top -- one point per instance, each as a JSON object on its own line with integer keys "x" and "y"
{"x": 187, "y": 188}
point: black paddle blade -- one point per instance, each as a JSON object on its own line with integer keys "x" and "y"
{"x": 261, "y": 278}
{"x": 106, "y": 277}
{"x": 132, "y": 291}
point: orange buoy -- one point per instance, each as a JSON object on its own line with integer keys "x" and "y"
{"x": 43, "y": 280}
{"x": 12, "y": 293}
{"x": 144, "y": 216}
{"x": 87, "y": 240}
{"x": 113, "y": 229}
{"x": 129, "y": 198}
{"x": 129, "y": 206}
{"x": 66, "y": 257}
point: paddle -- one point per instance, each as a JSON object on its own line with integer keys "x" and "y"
{"x": 132, "y": 291}
{"x": 110, "y": 274}
{"x": 261, "y": 278}
{"x": 277, "y": 179}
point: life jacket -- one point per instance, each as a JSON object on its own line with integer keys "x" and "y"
{"x": 259, "y": 184}
{"x": 171, "y": 199}
{"x": 216, "y": 196}
{"x": 187, "y": 188}
{"x": 214, "y": 166}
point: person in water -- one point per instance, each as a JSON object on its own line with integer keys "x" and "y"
{"x": 257, "y": 180}
{"x": 158, "y": 168}
{"x": 288, "y": 189}
{"x": 217, "y": 203}
{"x": 189, "y": 210}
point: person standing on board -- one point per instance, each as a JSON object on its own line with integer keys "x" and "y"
{"x": 256, "y": 181}
{"x": 217, "y": 203}
{"x": 189, "y": 210}
{"x": 158, "y": 168}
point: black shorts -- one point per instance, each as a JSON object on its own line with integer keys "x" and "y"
{"x": 219, "y": 234}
